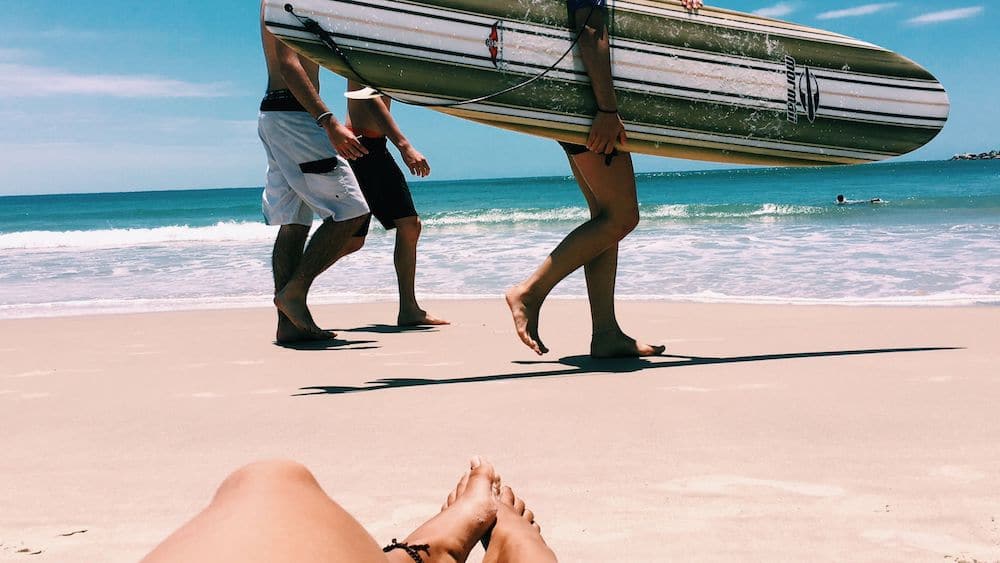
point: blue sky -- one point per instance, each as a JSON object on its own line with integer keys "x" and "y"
{"x": 121, "y": 95}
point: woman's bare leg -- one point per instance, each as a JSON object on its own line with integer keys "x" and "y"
{"x": 607, "y": 340}
{"x": 275, "y": 511}
{"x": 613, "y": 189}
{"x": 268, "y": 512}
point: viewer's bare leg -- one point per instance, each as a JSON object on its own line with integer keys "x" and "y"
{"x": 516, "y": 537}
{"x": 325, "y": 247}
{"x": 270, "y": 512}
{"x": 468, "y": 513}
{"x": 405, "y": 260}
{"x": 613, "y": 189}
{"x": 608, "y": 340}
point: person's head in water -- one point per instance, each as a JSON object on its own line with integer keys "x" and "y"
{"x": 840, "y": 198}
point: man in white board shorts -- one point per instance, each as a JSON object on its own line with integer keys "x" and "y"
{"x": 307, "y": 175}
{"x": 607, "y": 180}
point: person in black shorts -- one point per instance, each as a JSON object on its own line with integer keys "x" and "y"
{"x": 607, "y": 181}
{"x": 384, "y": 187}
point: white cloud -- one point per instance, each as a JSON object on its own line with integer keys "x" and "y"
{"x": 779, "y": 10}
{"x": 856, "y": 11}
{"x": 946, "y": 15}
{"x": 23, "y": 81}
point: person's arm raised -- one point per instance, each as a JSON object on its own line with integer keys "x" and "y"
{"x": 595, "y": 50}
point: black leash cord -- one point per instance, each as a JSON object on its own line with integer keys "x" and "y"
{"x": 326, "y": 37}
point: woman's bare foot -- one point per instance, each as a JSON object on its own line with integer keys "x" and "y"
{"x": 292, "y": 304}
{"x": 525, "y": 318}
{"x": 516, "y": 536}
{"x": 418, "y": 317}
{"x": 470, "y": 511}
{"x": 617, "y": 344}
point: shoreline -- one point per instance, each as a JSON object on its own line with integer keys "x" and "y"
{"x": 813, "y": 432}
{"x": 215, "y": 304}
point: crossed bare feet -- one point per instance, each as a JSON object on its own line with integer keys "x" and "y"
{"x": 291, "y": 305}
{"x": 418, "y": 317}
{"x": 512, "y": 534}
{"x": 469, "y": 512}
{"x": 525, "y": 313}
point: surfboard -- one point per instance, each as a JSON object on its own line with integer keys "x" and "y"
{"x": 715, "y": 85}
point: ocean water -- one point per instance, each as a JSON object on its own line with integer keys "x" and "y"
{"x": 748, "y": 235}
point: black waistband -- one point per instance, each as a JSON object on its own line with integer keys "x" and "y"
{"x": 373, "y": 143}
{"x": 280, "y": 100}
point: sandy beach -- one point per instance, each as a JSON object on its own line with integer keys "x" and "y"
{"x": 769, "y": 432}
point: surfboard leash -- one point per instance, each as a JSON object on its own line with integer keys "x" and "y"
{"x": 327, "y": 39}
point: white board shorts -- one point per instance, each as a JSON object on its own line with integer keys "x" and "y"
{"x": 305, "y": 175}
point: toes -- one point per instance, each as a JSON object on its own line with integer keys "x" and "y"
{"x": 481, "y": 478}
{"x": 519, "y": 506}
{"x": 462, "y": 484}
{"x": 529, "y": 515}
{"x": 507, "y": 496}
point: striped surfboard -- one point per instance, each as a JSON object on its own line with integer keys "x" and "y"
{"x": 717, "y": 85}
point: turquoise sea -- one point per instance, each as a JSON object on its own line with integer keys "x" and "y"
{"x": 746, "y": 235}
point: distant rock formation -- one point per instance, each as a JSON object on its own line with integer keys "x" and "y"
{"x": 992, "y": 155}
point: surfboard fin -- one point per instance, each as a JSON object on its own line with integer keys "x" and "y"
{"x": 366, "y": 93}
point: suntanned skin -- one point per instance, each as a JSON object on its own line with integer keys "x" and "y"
{"x": 614, "y": 209}
{"x": 296, "y": 265}
{"x": 275, "y": 511}
{"x": 371, "y": 117}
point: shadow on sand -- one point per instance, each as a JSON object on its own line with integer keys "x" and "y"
{"x": 583, "y": 365}
{"x": 388, "y": 329}
{"x": 335, "y": 344}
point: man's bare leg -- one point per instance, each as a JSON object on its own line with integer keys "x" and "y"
{"x": 325, "y": 247}
{"x": 608, "y": 340}
{"x": 516, "y": 537}
{"x": 405, "y": 260}
{"x": 288, "y": 248}
{"x": 613, "y": 189}
{"x": 467, "y": 514}
{"x": 269, "y": 512}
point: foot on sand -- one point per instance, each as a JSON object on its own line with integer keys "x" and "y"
{"x": 418, "y": 317}
{"x": 525, "y": 319}
{"x": 288, "y": 333}
{"x": 293, "y": 306}
{"x": 617, "y": 344}
{"x": 516, "y": 536}
{"x": 470, "y": 510}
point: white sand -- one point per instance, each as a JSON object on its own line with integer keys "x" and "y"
{"x": 775, "y": 433}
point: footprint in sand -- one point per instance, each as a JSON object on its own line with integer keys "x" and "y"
{"x": 734, "y": 485}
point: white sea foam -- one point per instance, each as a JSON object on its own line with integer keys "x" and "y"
{"x": 115, "y": 238}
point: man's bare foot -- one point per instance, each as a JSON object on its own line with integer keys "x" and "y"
{"x": 418, "y": 317}
{"x": 470, "y": 510}
{"x": 525, "y": 319}
{"x": 288, "y": 333}
{"x": 293, "y": 306}
{"x": 616, "y": 344}
{"x": 516, "y": 536}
